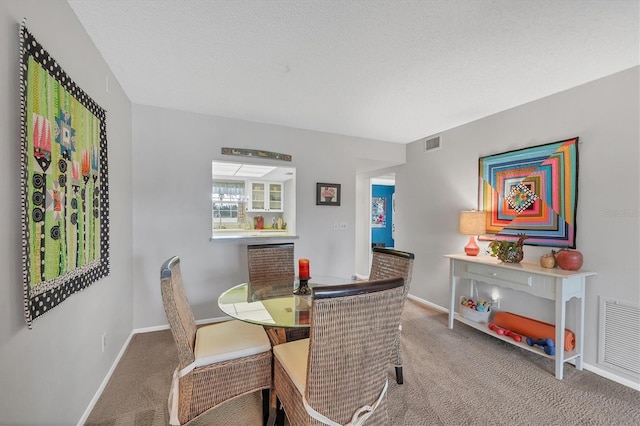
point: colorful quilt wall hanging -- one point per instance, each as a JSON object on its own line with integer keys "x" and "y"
{"x": 532, "y": 191}
{"x": 64, "y": 188}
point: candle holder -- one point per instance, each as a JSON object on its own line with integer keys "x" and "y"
{"x": 303, "y": 289}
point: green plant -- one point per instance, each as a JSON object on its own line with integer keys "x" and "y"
{"x": 507, "y": 251}
{"x": 499, "y": 246}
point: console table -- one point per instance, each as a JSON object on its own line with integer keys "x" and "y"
{"x": 554, "y": 284}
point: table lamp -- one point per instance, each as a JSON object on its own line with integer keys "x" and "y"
{"x": 472, "y": 223}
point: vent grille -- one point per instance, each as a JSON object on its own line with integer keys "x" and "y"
{"x": 618, "y": 345}
{"x": 432, "y": 143}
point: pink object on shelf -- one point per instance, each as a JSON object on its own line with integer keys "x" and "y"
{"x": 495, "y": 328}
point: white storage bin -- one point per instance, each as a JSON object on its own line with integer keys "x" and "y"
{"x": 474, "y": 315}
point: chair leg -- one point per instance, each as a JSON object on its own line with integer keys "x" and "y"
{"x": 399, "y": 378}
{"x": 279, "y": 413}
{"x": 266, "y": 406}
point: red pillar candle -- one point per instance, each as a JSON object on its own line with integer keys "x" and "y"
{"x": 303, "y": 269}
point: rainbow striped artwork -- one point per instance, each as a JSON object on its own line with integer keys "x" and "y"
{"x": 65, "y": 203}
{"x": 532, "y": 191}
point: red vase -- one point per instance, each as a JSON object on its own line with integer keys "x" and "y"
{"x": 570, "y": 260}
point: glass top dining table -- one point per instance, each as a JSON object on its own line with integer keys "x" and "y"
{"x": 273, "y": 305}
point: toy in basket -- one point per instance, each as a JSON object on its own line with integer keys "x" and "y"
{"x": 475, "y": 311}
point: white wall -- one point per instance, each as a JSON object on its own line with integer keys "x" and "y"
{"x": 437, "y": 185}
{"x": 172, "y": 157}
{"x": 48, "y": 375}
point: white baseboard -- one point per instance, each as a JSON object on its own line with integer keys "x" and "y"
{"x": 428, "y": 304}
{"x": 594, "y": 369}
{"x": 150, "y": 329}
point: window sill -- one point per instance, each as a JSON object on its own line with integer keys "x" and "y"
{"x": 252, "y": 234}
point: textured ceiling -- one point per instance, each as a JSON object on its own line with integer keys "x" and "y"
{"x": 389, "y": 70}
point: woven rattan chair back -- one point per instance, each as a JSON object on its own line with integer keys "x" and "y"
{"x": 389, "y": 263}
{"x": 350, "y": 342}
{"x": 179, "y": 314}
{"x": 272, "y": 267}
{"x": 270, "y": 263}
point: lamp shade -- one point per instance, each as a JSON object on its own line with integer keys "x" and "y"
{"x": 472, "y": 222}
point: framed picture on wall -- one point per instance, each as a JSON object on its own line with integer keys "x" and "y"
{"x": 327, "y": 194}
{"x": 378, "y": 212}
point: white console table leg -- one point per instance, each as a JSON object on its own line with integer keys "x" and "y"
{"x": 452, "y": 294}
{"x": 580, "y": 330}
{"x": 560, "y": 326}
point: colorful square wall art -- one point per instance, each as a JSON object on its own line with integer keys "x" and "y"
{"x": 532, "y": 191}
{"x": 65, "y": 204}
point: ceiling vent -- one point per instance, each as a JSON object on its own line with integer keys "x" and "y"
{"x": 432, "y": 143}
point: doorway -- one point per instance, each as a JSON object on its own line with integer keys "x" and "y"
{"x": 382, "y": 211}
{"x": 364, "y": 215}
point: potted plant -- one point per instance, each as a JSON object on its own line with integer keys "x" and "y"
{"x": 508, "y": 251}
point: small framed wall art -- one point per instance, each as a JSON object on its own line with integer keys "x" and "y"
{"x": 378, "y": 212}
{"x": 327, "y": 194}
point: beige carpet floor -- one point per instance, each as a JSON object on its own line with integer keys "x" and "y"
{"x": 452, "y": 377}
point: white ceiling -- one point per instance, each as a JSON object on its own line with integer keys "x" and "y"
{"x": 389, "y": 70}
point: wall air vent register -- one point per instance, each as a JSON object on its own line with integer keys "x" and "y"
{"x": 432, "y": 143}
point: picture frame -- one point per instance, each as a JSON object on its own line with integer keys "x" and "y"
{"x": 378, "y": 212}
{"x": 532, "y": 191}
{"x": 327, "y": 194}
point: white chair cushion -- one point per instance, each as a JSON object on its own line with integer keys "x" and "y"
{"x": 229, "y": 340}
{"x": 293, "y": 357}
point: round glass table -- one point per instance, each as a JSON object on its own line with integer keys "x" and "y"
{"x": 273, "y": 305}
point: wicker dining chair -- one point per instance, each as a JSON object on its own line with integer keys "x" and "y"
{"x": 339, "y": 374}
{"x": 389, "y": 263}
{"x": 216, "y": 362}
{"x": 269, "y": 265}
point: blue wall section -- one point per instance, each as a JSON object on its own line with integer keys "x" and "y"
{"x": 383, "y": 235}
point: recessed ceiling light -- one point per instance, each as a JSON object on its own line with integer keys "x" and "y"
{"x": 225, "y": 169}
{"x": 252, "y": 170}
{"x": 240, "y": 170}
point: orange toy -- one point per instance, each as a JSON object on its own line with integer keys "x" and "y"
{"x": 533, "y": 328}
